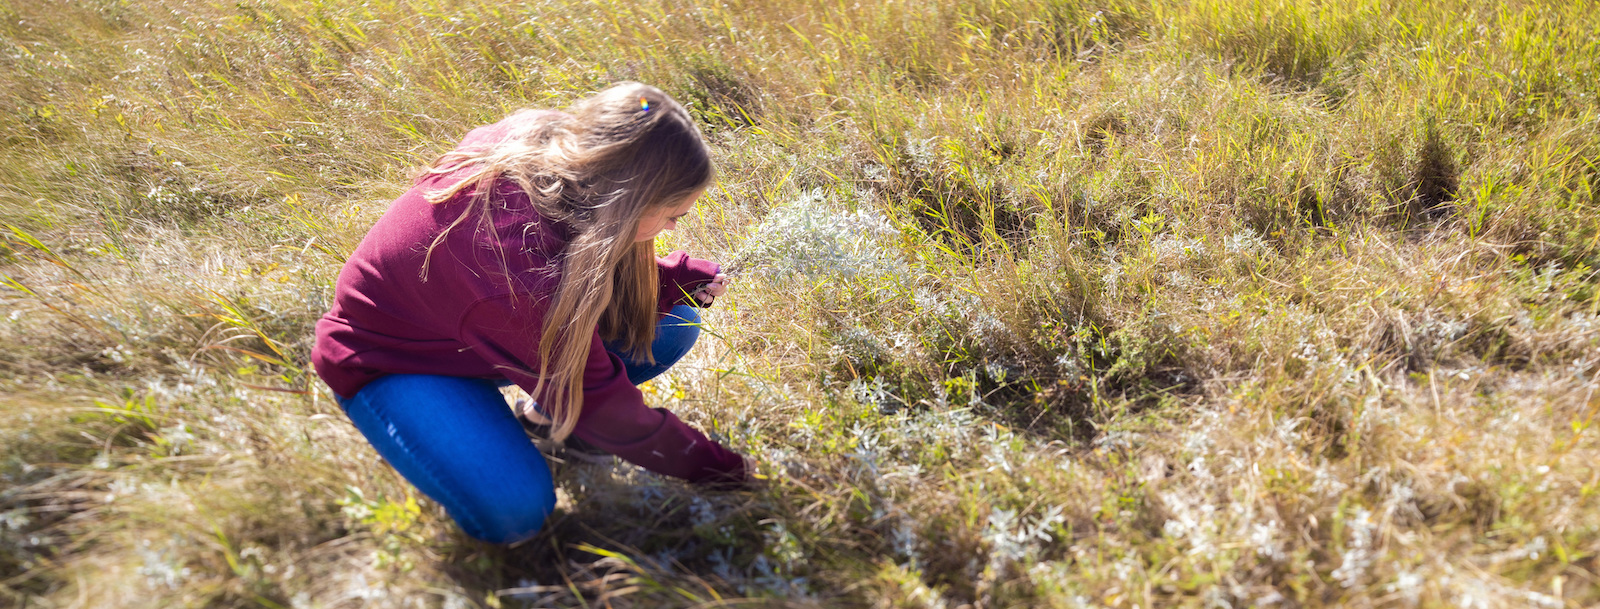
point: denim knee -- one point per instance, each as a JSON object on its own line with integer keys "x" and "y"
{"x": 676, "y": 334}
{"x": 457, "y": 442}
{"x": 506, "y": 520}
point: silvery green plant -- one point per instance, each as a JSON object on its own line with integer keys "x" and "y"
{"x": 814, "y": 236}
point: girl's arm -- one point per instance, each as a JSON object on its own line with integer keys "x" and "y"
{"x": 681, "y": 275}
{"x": 615, "y": 417}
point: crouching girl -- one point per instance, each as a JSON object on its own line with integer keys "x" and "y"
{"x": 526, "y": 255}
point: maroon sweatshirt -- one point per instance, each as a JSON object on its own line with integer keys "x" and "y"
{"x": 466, "y": 319}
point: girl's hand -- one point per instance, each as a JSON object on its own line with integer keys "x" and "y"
{"x": 752, "y": 479}
{"x": 709, "y": 292}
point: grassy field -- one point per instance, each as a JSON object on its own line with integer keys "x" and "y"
{"x": 1038, "y": 303}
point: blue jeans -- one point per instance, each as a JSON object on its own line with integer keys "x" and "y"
{"x": 455, "y": 439}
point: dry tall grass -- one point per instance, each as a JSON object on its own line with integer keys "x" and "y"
{"x": 1123, "y": 303}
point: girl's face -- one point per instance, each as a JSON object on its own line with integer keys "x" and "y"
{"x": 663, "y": 218}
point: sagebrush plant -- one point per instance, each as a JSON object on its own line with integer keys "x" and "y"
{"x": 1038, "y": 303}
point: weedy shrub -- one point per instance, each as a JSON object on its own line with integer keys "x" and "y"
{"x": 813, "y": 238}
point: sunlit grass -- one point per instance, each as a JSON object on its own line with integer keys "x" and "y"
{"x": 1038, "y": 304}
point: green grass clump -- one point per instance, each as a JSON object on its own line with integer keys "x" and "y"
{"x": 1038, "y": 304}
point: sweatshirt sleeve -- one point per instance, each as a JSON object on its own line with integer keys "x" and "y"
{"x": 614, "y": 418}
{"x": 680, "y": 275}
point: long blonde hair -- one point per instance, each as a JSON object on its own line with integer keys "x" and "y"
{"x": 597, "y": 169}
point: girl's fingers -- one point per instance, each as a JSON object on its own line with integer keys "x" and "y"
{"x": 709, "y": 291}
{"x": 718, "y": 285}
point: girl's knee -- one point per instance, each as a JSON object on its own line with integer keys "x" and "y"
{"x": 512, "y": 519}
{"x": 676, "y": 334}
